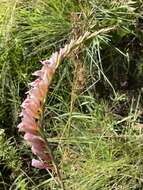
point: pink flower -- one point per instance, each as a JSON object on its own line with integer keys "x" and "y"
{"x": 41, "y": 153}
{"x": 39, "y": 164}
{"x": 33, "y": 139}
{"x": 27, "y": 119}
{"x": 28, "y": 128}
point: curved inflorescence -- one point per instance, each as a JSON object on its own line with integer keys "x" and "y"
{"x": 31, "y": 111}
{"x": 32, "y": 105}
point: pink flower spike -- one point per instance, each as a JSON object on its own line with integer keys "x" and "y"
{"x": 31, "y": 111}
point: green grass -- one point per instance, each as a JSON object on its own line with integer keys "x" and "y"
{"x": 93, "y": 116}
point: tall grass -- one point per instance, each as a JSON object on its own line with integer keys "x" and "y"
{"x": 93, "y": 116}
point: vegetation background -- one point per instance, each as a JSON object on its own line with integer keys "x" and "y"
{"x": 94, "y": 114}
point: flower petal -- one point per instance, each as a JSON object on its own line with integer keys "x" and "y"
{"x": 41, "y": 153}
{"x": 33, "y": 139}
{"x": 27, "y": 128}
{"x": 39, "y": 164}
